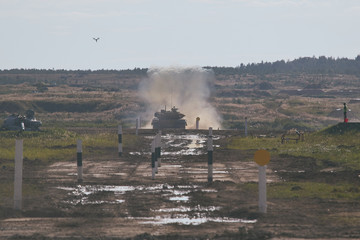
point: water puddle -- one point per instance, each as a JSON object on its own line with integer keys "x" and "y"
{"x": 183, "y": 215}
{"x": 193, "y": 144}
{"x": 184, "y": 219}
{"x": 183, "y": 209}
{"x": 82, "y": 193}
{"x": 179, "y": 199}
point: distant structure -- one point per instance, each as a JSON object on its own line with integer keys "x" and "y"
{"x": 96, "y": 39}
{"x": 168, "y": 119}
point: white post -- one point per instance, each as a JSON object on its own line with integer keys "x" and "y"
{"x": 197, "y": 123}
{"x": 18, "y": 174}
{"x": 79, "y": 161}
{"x": 158, "y": 148}
{"x": 153, "y": 159}
{"x": 262, "y": 189}
{"x": 120, "y": 140}
{"x": 245, "y": 126}
{"x": 137, "y": 126}
{"x": 210, "y": 156}
{"x": 156, "y": 153}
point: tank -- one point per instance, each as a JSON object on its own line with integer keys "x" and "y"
{"x": 17, "y": 122}
{"x": 168, "y": 119}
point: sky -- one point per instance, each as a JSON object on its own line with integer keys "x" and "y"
{"x": 58, "y": 34}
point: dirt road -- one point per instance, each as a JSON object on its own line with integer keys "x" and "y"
{"x": 119, "y": 199}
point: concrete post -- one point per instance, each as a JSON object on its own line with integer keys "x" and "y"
{"x": 79, "y": 160}
{"x": 158, "y": 148}
{"x": 137, "y": 126}
{"x": 197, "y": 123}
{"x": 156, "y": 153}
{"x": 153, "y": 156}
{"x": 245, "y": 126}
{"x": 18, "y": 174}
{"x": 210, "y": 156}
{"x": 262, "y": 189}
{"x": 120, "y": 140}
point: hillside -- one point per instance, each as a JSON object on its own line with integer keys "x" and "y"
{"x": 302, "y": 93}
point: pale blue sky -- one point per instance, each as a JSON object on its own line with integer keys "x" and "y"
{"x": 145, "y": 33}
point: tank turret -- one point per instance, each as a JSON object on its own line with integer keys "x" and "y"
{"x": 18, "y": 122}
{"x": 168, "y": 119}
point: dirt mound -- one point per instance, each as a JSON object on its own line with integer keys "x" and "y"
{"x": 342, "y": 128}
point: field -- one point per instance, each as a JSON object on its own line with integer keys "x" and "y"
{"x": 313, "y": 185}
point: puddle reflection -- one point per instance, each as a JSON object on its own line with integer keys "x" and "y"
{"x": 185, "y": 219}
{"x": 81, "y": 193}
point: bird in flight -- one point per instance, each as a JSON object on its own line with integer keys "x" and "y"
{"x": 96, "y": 39}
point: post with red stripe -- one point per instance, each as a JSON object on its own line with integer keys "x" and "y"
{"x": 120, "y": 140}
{"x": 210, "y": 156}
{"x": 262, "y": 157}
{"x": 79, "y": 161}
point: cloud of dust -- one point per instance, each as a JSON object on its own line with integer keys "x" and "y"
{"x": 188, "y": 89}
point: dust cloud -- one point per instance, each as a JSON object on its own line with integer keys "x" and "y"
{"x": 188, "y": 89}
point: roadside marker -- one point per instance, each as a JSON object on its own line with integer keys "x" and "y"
{"x": 137, "y": 126}
{"x": 79, "y": 160}
{"x": 18, "y": 174}
{"x": 153, "y": 156}
{"x": 158, "y": 148}
{"x": 120, "y": 140}
{"x": 210, "y": 156}
{"x": 245, "y": 126}
{"x": 262, "y": 157}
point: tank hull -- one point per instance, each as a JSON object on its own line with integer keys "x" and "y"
{"x": 162, "y": 124}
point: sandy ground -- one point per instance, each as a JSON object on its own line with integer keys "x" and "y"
{"x": 119, "y": 199}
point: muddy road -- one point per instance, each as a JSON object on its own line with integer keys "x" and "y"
{"x": 118, "y": 199}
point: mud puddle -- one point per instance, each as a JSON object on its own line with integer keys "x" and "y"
{"x": 183, "y": 145}
{"x": 181, "y": 194}
{"x": 195, "y": 219}
{"x": 82, "y": 194}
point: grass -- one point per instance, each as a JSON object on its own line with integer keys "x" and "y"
{"x": 314, "y": 190}
{"x": 289, "y": 190}
{"x": 57, "y": 144}
{"x": 344, "y": 149}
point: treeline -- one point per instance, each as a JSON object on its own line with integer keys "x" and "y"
{"x": 307, "y": 65}
{"x": 134, "y": 71}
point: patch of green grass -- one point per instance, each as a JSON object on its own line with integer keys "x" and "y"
{"x": 48, "y": 146}
{"x": 288, "y": 190}
{"x": 313, "y": 190}
{"x": 7, "y": 190}
{"x": 344, "y": 150}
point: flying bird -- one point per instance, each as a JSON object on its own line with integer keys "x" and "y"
{"x": 96, "y": 39}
